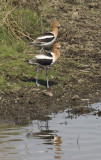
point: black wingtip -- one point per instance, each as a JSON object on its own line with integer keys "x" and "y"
{"x": 32, "y": 43}
{"x": 27, "y": 61}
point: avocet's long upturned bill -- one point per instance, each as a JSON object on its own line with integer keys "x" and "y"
{"x": 46, "y": 60}
{"x": 47, "y": 39}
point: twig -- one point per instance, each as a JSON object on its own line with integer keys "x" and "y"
{"x": 78, "y": 142}
{"x": 25, "y": 35}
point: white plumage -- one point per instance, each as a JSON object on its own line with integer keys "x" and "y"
{"x": 42, "y": 56}
{"x": 48, "y": 38}
{"x": 45, "y": 37}
{"x": 46, "y": 60}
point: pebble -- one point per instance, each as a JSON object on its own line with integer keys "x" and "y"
{"x": 75, "y": 97}
{"x": 48, "y": 93}
{"x": 84, "y": 99}
{"x": 80, "y": 81}
{"x": 75, "y": 15}
{"x": 35, "y": 89}
{"x": 93, "y": 5}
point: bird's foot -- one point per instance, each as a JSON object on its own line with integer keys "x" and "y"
{"x": 47, "y": 86}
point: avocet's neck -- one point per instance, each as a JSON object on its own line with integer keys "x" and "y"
{"x": 56, "y": 53}
{"x": 55, "y": 31}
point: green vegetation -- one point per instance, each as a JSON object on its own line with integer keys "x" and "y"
{"x": 20, "y": 23}
{"x": 7, "y": 126}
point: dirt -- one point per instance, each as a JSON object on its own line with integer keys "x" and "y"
{"x": 78, "y": 81}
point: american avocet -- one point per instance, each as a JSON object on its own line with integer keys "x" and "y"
{"x": 47, "y": 39}
{"x": 46, "y": 60}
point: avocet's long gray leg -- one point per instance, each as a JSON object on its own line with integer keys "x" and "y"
{"x": 47, "y": 77}
{"x": 41, "y": 49}
{"x": 37, "y": 77}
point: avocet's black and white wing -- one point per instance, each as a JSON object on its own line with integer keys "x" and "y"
{"x": 44, "y": 40}
{"x": 44, "y": 60}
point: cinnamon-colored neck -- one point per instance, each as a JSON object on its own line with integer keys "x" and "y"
{"x": 55, "y": 31}
{"x": 56, "y": 52}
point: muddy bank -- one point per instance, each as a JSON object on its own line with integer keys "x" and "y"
{"x": 33, "y": 103}
{"x": 78, "y": 78}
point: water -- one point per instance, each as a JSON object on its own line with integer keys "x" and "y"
{"x": 59, "y": 138}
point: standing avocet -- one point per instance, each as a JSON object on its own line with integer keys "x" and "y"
{"x": 48, "y": 38}
{"x": 46, "y": 60}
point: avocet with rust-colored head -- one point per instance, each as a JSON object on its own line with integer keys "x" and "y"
{"x": 48, "y": 38}
{"x": 46, "y": 60}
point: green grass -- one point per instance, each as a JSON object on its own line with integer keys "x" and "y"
{"x": 7, "y": 126}
{"x": 77, "y": 64}
{"x": 15, "y": 73}
{"x": 13, "y": 66}
{"x": 18, "y": 27}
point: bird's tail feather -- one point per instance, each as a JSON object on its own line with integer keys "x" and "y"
{"x": 32, "y": 43}
{"x": 32, "y": 61}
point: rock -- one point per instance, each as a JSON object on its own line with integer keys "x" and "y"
{"x": 52, "y": 77}
{"x": 35, "y": 89}
{"x": 80, "y": 81}
{"x": 75, "y": 97}
{"x": 16, "y": 101}
{"x": 24, "y": 1}
{"x": 48, "y": 93}
{"x": 85, "y": 100}
{"x": 75, "y": 15}
{"x": 86, "y": 71}
{"x": 93, "y": 5}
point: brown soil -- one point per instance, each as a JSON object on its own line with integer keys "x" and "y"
{"x": 80, "y": 36}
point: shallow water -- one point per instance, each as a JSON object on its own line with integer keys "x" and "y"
{"x": 78, "y": 138}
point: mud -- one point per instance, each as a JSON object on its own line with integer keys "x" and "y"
{"x": 78, "y": 81}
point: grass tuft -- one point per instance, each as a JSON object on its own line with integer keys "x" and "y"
{"x": 19, "y": 24}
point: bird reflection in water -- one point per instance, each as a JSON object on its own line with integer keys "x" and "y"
{"x": 57, "y": 147}
{"x": 49, "y": 137}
